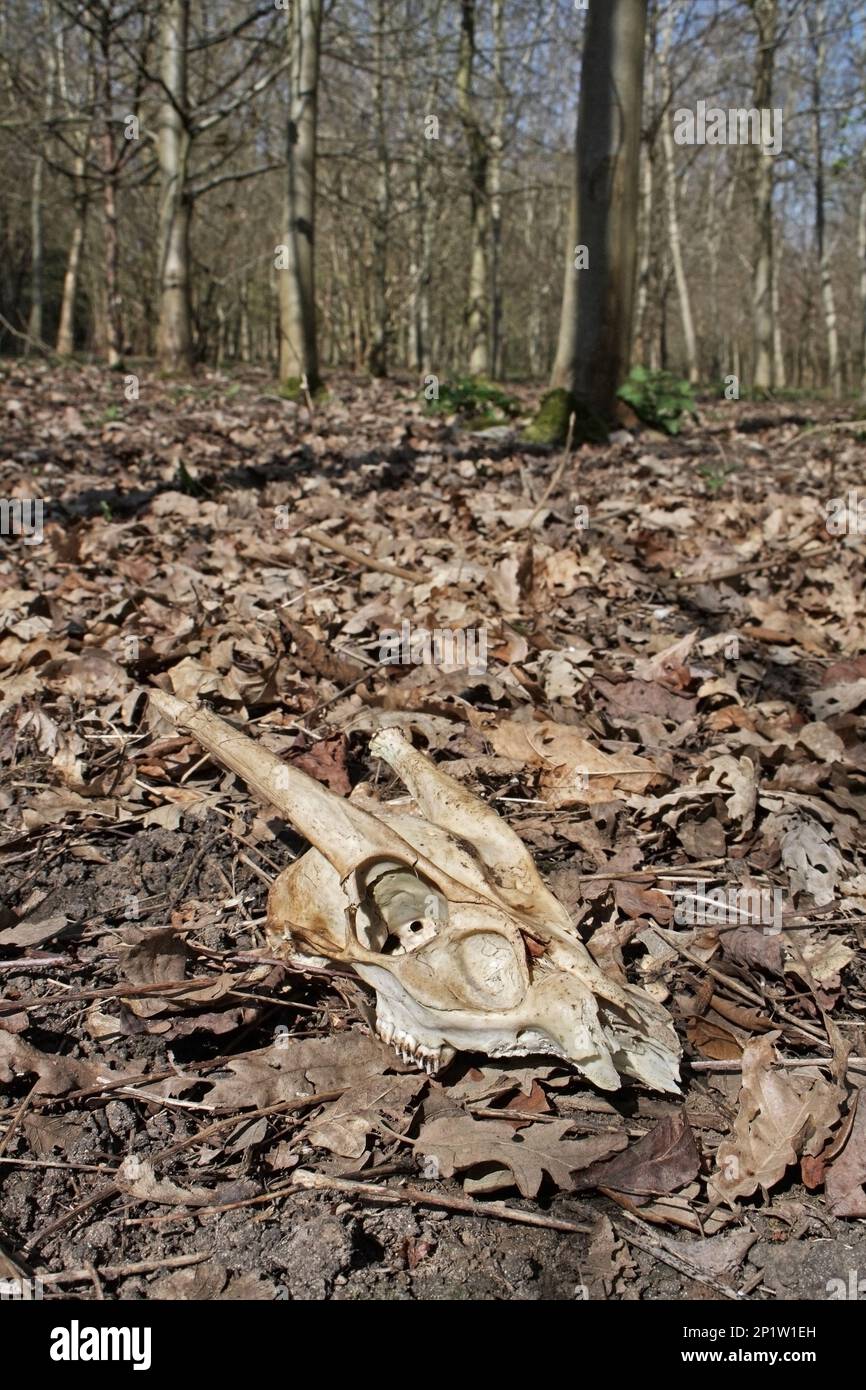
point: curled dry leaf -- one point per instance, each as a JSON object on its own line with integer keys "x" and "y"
{"x": 345, "y": 1125}
{"x": 845, "y": 1177}
{"x": 665, "y": 1159}
{"x": 782, "y": 1115}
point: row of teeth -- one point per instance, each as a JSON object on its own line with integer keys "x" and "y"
{"x": 428, "y": 1058}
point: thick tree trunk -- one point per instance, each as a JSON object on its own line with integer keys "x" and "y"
{"x": 766, "y": 16}
{"x": 594, "y": 342}
{"x": 477, "y": 311}
{"x": 174, "y": 335}
{"x": 298, "y": 344}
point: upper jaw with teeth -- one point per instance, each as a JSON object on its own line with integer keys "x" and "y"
{"x": 429, "y": 1059}
{"x": 436, "y": 906}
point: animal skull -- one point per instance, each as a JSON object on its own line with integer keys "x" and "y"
{"x": 438, "y": 906}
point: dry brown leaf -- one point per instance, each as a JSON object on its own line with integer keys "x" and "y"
{"x": 461, "y": 1142}
{"x": 663, "y": 1160}
{"x": 845, "y": 1177}
{"x": 575, "y": 773}
{"x": 344, "y": 1126}
{"x": 782, "y": 1114}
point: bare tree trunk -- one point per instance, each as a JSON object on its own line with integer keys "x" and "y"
{"x": 244, "y": 336}
{"x": 536, "y": 303}
{"x": 174, "y": 335}
{"x": 477, "y": 315}
{"x": 66, "y": 328}
{"x": 861, "y": 247}
{"x": 421, "y": 271}
{"x": 815, "y": 23}
{"x": 779, "y": 372}
{"x": 674, "y": 237}
{"x": 37, "y": 193}
{"x": 37, "y": 251}
{"x": 299, "y": 357}
{"x": 766, "y": 16}
{"x": 497, "y": 149}
{"x": 81, "y": 199}
{"x": 676, "y": 249}
{"x": 110, "y": 234}
{"x": 594, "y": 342}
{"x": 378, "y": 361}
{"x": 644, "y": 273}
{"x": 639, "y": 350}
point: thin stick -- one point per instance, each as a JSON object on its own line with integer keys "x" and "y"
{"x": 679, "y": 1263}
{"x": 790, "y": 558}
{"x": 550, "y": 486}
{"x": 80, "y": 1276}
{"x": 16, "y": 1119}
{"x": 365, "y": 561}
{"x": 401, "y": 1196}
{"x": 784, "y": 1063}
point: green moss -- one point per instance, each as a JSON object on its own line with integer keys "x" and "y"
{"x": 292, "y": 389}
{"x": 550, "y": 425}
{"x": 483, "y": 422}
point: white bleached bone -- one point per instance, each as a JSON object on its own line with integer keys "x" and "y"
{"x": 439, "y": 907}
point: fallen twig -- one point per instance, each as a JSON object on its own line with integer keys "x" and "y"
{"x": 366, "y": 561}
{"x": 408, "y": 1195}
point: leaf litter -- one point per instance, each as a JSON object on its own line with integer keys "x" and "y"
{"x": 683, "y": 753}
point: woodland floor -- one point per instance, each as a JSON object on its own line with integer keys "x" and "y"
{"x": 134, "y": 1012}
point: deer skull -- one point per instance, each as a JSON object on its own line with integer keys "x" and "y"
{"x": 437, "y": 905}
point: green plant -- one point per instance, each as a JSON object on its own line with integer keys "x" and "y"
{"x": 715, "y": 478}
{"x": 660, "y": 399}
{"x": 479, "y": 403}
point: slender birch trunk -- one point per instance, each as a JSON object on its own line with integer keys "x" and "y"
{"x": 378, "y": 359}
{"x": 497, "y": 150}
{"x": 299, "y": 357}
{"x": 766, "y": 14}
{"x": 174, "y": 334}
{"x": 815, "y": 21}
{"x": 477, "y": 311}
{"x": 861, "y": 248}
{"x": 66, "y": 328}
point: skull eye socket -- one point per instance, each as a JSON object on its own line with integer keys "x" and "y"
{"x": 399, "y": 911}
